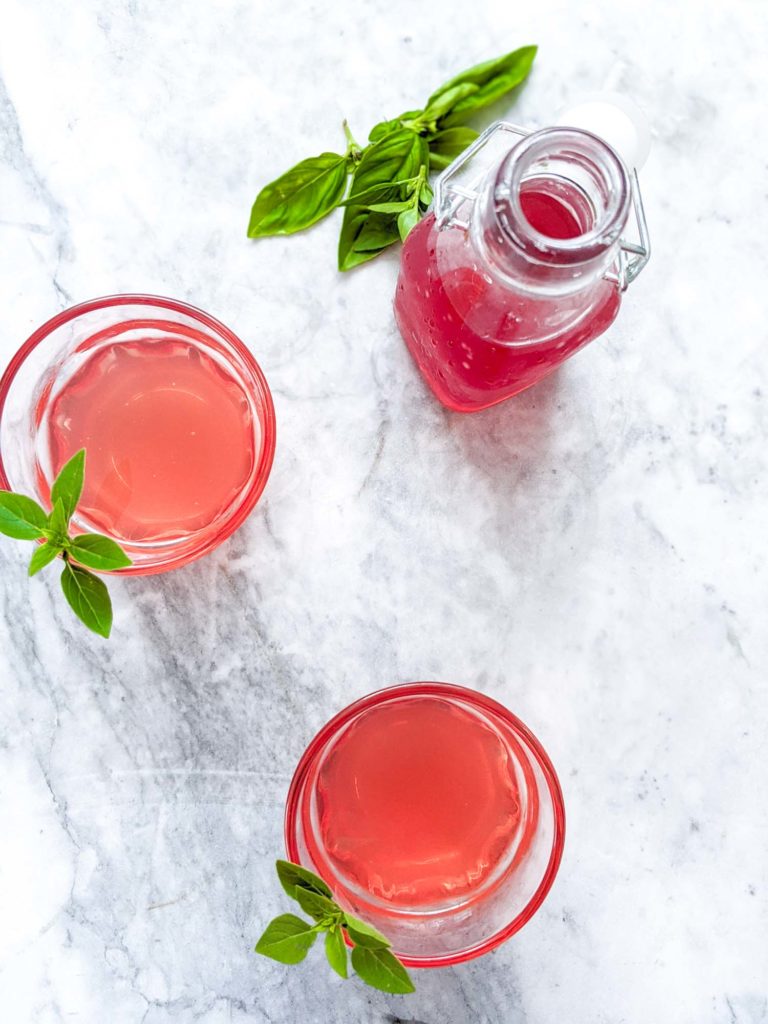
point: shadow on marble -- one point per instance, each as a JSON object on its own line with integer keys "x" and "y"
{"x": 515, "y": 433}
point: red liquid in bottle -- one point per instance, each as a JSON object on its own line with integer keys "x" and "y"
{"x": 477, "y": 340}
{"x": 420, "y": 803}
{"x": 170, "y": 435}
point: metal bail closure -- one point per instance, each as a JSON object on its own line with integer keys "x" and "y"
{"x": 459, "y": 186}
{"x": 633, "y": 256}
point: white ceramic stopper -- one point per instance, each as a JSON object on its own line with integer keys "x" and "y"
{"x": 616, "y": 119}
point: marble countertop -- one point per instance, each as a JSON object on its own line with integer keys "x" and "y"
{"x": 594, "y": 554}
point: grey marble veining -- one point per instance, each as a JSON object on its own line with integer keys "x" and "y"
{"x": 593, "y": 553}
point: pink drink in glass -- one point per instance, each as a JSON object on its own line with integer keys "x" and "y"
{"x": 433, "y": 813}
{"x": 172, "y": 410}
{"x": 169, "y": 434}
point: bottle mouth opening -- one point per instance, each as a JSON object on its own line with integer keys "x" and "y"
{"x": 562, "y": 195}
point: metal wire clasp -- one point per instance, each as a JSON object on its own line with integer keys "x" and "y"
{"x": 633, "y": 256}
{"x": 458, "y": 187}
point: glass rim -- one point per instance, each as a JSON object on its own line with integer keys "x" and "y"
{"x": 477, "y": 700}
{"x": 266, "y": 456}
{"x": 607, "y": 228}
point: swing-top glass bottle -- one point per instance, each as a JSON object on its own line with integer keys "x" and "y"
{"x": 520, "y": 264}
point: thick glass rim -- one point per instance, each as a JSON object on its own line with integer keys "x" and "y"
{"x": 483, "y": 703}
{"x": 608, "y": 225}
{"x": 266, "y": 457}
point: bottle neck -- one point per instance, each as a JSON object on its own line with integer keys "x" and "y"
{"x": 550, "y": 217}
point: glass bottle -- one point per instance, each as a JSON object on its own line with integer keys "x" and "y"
{"x": 519, "y": 266}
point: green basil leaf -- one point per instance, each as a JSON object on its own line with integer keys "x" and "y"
{"x": 493, "y": 78}
{"x": 393, "y": 190}
{"x": 407, "y": 220}
{"x": 447, "y": 144}
{"x": 336, "y": 951}
{"x": 317, "y": 906}
{"x": 397, "y": 156}
{"x": 43, "y": 555}
{"x": 287, "y": 939}
{"x": 384, "y": 128}
{"x": 68, "y": 485}
{"x": 300, "y": 197}
{"x": 57, "y": 524}
{"x": 378, "y": 232}
{"x": 88, "y": 597}
{"x": 99, "y": 552}
{"x": 389, "y": 207}
{"x": 395, "y": 124}
{"x": 381, "y": 969}
{"x": 447, "y": 101}
{"x": 425, "y": 194}
{"x": 365, "y": 934}
{"x": 372, "y": 233}
{"x": 21, "y": 517}
{"x": 293, "y": 876}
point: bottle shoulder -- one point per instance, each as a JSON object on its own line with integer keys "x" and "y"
{"x": 444, "y": 263}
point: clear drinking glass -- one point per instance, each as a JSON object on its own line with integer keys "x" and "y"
{"x": 433, "y": 813}
{"x": 174, "y": 413}
{"x": 521, "y": 263}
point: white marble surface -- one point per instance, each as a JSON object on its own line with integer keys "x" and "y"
{"x": 594, "y": 553}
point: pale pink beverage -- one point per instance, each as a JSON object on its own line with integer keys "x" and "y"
{"x": 421, "y": 802}
{"x": 170, "y": 435}
{"x": 172, "y": 410}
{"x": 431, "y": 812}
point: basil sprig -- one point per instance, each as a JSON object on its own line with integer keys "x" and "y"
{"x": 389, "y": 191}
{"x": 289, "y": 938}
{"x": 400, "y": 160}
{"x": 21, "y": 517}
